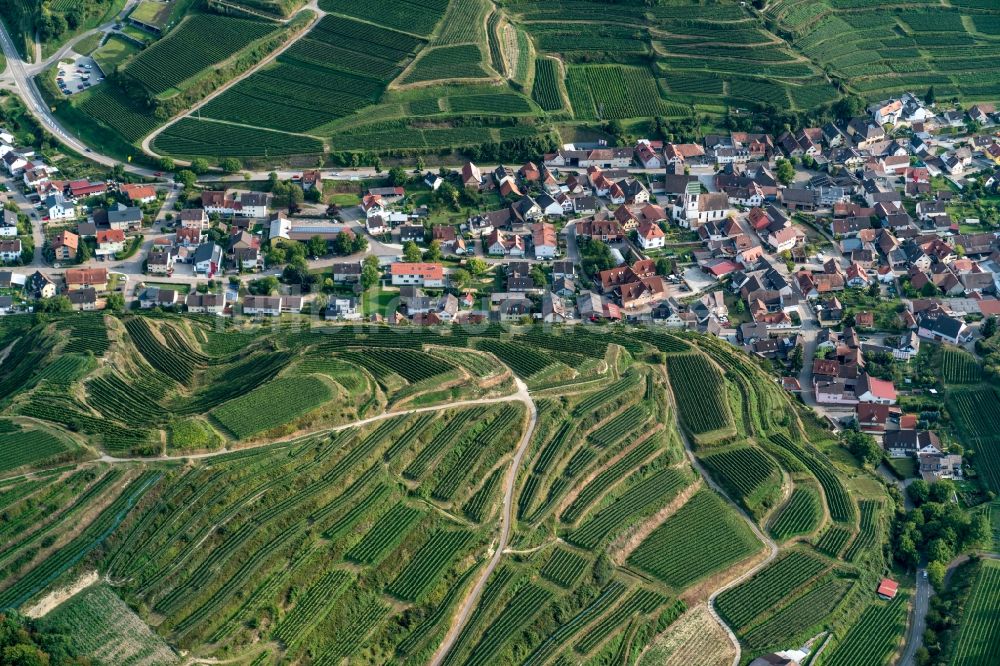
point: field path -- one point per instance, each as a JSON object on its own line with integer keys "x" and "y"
{"x": 146, "y": 144}
{"x": 506, "y": 521}
{"x": 520, "y": 396}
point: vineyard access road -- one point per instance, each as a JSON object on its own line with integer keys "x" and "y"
{"x": 520, "y": 396}
{"x": 506, "y": 519}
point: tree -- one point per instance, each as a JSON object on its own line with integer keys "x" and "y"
{"x": 784, "y": 172}
{"x": 187, "y": 178}
{"x": 941, "y": 491}
{"x": 295, "y": 196}
{"x": 935, "y": 574}
{"x": 848, "y": 107}
{"x": 989, "y": 327}
{"x": 460, "y": 278}
{"x": 167, "y": 164}
{"x": 398, "y": 177}
{"x": 918, "y": 491}
{"x": 54, "y": 304}
{"x": 477, "y": 266}
{"x": 929, "y": 97}
{"x": 370, "y": 272}
{"x": 603, "y": 569}
{"x": 317, "y": 246}
{"x": 449, "y": 195}
{"x": 115, "y": 302}
{"x": 343, "y": 244}
{"x": 863, "y": 447}
{"x": 929, "y": 289}
{"x": 231, "y": 165}
{"x": 411, "y": 252}
{"x": 420, "y": 164}
{"x": 199, "y": 165}
{"x": 433, "y": 252}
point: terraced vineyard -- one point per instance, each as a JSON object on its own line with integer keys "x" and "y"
{"x": 274, "y": 496}
{"x": 199, "y": 42}
{"x": 980, "y": 629}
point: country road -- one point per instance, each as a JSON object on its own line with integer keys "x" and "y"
{"x": 506, "y": 521}
{"x": 17, "y": 71}
{"x": 918, "y": 620}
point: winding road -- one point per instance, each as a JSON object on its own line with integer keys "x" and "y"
{"x": 22, "y": 76}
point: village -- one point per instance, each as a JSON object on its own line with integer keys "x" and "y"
{"x": 831, "y": 252}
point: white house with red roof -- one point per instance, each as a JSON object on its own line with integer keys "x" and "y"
{"x": 651, "y": 236}
{"x": 417, "y": 274}
{"x": 873, "y": 389}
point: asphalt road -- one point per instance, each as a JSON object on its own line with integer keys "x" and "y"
{"x": 17, "y": 71}
{"x": 918, "y": 620}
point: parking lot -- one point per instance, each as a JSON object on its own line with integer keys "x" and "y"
{"x": 77, "y": 75}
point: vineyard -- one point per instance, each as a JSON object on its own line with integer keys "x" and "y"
{"x": 748, "y": 475}
{"x": 28, "y": 447}
{"x": 960, "y": 367}
{"x": 980, "y": 629}
{"x": 704, "y": 536}
{"x": 974, "y": 411}
{"x": 746, "y": 603}
{"x": 447, "y": 62}
{"x": 198, "y": 43}
{"x": 302, "y": 514}
{"x": 701, "y": 397}
{"x": 875, "y": 636}
{"x": 799, "y": 515}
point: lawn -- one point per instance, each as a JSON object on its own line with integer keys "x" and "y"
{"x": 904, "y": 468}
{"x": 182, "y": 289}
{"x": 113, "y": 53}
{"x": 87, "y": 45}
{"x": 377, "y": 299}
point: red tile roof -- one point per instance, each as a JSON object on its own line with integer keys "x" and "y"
{"x": 427, "y": 271}
{"x": 888, "y": 588}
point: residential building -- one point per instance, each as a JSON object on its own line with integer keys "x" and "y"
{"x": 206, "y": 303}
{"x": 262, "y": 305}
{"x": 207, "y": 259}
{"x": 417, "y": 274}
{"x": 81, "y": 278}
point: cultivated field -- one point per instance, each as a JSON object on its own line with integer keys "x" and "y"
{"x": 302, "y": 532}
{"x": 980, "y": 630}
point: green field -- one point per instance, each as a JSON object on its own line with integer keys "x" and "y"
{"x": 113, "y": 53}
